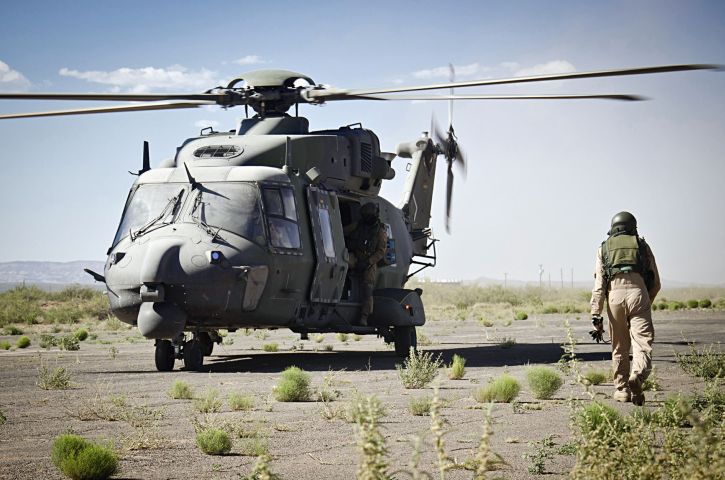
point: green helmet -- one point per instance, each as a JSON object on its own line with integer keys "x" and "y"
{"x": 623, "y": 222}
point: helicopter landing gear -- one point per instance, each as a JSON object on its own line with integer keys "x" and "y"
{"x": 207, "y": 344}
{"x": 193, "y": 354}
{"x": 164, "y": 355}
{"x": 405, "y": 338}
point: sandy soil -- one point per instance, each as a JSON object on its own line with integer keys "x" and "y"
{"x": 302, "y": 442}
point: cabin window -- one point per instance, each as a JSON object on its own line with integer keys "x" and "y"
{"x": 326, "y": 227}
{"x": 157, "y": 202}
{"x": 230, "y": 206}
{"x": 281, "y": 213}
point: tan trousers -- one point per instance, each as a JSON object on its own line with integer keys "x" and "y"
{"x": 367, "y": 285}
{"x": 630, "y": 326}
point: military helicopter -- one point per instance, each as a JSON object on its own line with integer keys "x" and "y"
{"x": 246, "y": 228}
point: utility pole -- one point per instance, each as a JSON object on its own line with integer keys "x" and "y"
{"x": 505, "y": 279}
{"x": 561, "y": 274}
{"x": 541, "y": 274}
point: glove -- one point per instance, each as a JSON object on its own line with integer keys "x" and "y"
{"x": 598, "y": 332}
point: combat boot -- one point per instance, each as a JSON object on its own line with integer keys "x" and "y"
{"x": 622, "y": 396}
{"x": 635, "y": 386}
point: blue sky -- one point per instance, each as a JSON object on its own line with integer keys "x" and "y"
{"x": 544, "y": 178}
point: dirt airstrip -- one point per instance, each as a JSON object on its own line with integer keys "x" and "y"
{"x": 303, "y": 442}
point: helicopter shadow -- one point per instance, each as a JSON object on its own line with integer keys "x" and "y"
{"x": 475, "y": 355}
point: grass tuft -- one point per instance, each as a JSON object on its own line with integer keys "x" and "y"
{"x": 240, "y": 402}
{"x": 69, "y": 342}
{"x": 53, "y": 379}
{"x": 209, "y": 402}
{"x": 419, "y": 369}
{"x": 270, "y": 347}
{"x": 420, "y": 406}
{"x": 23, "y": 342}
{"x": 81, "y": 334}
{"x": 521, "y": 315}
{"x": 544, "y": 382}
{"x": 595, "y": 376}
{"x": 294, "y": 386}
{"x": 181, "y": 390}
{"x": 457, "y": 368}
{"x": 5, "y": 345}
{"x": 706, "y": 363}
{"x": 503, "y": 389}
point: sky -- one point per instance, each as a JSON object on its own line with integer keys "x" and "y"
{"x": 543, "y": 180}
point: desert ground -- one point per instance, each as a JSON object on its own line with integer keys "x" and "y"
{"x": 311, "y": 440}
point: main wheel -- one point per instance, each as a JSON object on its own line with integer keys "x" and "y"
{"x": 207, "y": 345}
{"x": 164, "y": 356}
{"x": 193, "y": 356}
{"x": 405, "y": 338}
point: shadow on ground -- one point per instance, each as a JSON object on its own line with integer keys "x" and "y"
{"x": 476, "y": 356}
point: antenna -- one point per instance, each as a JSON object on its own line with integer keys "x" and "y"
{"x": 541, "y": 273}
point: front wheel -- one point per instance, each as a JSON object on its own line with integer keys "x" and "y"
{"x": 405, "y": 338}
{"x": 207, "y": 345}
{"x": 164, "y": 356}
{"x": 193, "y": 355}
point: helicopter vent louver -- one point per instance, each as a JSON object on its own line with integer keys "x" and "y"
{"x": 218, "y": 151}
{"x": 366, "y": 157}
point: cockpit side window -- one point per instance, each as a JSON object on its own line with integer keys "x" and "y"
{"x": 281, "y": 213}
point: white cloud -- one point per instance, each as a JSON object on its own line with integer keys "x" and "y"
{"x": 138, "y": 80}
{"x": 548, "y": 68}
{"x": 12, "y": 79}
{"x": 249, "y": 60}
{"x": 207, "y": 123}
{"x": 443, "y": 72}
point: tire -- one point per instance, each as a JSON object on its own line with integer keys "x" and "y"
{"x": 207, "y": 346}
{"x": 193, "y": 356}
{"x": 405, "y": 338}
{"x": 164, "y": 356}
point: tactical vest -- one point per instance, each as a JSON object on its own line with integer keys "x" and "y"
{"x": 625, "y": 253}
{"x": 364, "y": 239}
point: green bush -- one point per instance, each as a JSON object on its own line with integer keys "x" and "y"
{"x": 4, "y": 345}
{"x": 69, "y": 342}
{"x": 239, "y": 401}
{"x": 520, "y": 315}
{"x": 457, "y": 369}
{"x": 654, "y": 307}
{"x": 270, "y": 347}
{"x": 294, "y": 386}
{"x": 662, "y": 306}
{"x": 544, "y": 382}
{"x": 13, "y": 330}
{"x": 214, "y": 441}
{"x": 180, "y": 390}
{"x": 705, "y": 303}
{"x": 675, "y": 305}
{"x": 503, "y": 389}
{"x": 550, "y": 309}
{"x": 596, "y": 376}
{"x": 47, "y": 341}
{"x": 420, "y": 406}
{"x": 419, "y": 369}
{"x": 693, "y": 303}
{"x": 81, "y": 334}
{"x": 80, "y": 459}
{"x": 23, "y": 342}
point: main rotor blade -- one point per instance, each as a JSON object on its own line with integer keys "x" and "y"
{"x": 424, "y": 97}
{"x": 112, "y": 97}
{"x": 537, "y": 78}
{"x": 118, "y": 108}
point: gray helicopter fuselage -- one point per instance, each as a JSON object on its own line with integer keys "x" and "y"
{"x": 246, "y": 231}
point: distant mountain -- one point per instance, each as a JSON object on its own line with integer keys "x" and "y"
{"x": 49, "y": 272}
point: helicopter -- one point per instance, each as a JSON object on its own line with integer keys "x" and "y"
{"x": 247, "y": 228}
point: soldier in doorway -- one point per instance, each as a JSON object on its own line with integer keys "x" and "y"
{"x": 626, "y": 277}
{"x": 366, "y": 243}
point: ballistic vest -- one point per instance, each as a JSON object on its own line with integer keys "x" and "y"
{"x": 623, "y": 253}
{"x": 364, "y": 239}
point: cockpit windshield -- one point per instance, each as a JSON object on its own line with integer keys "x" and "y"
{"x": 229, "y": 206}
{"x": 150, "y": 203}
